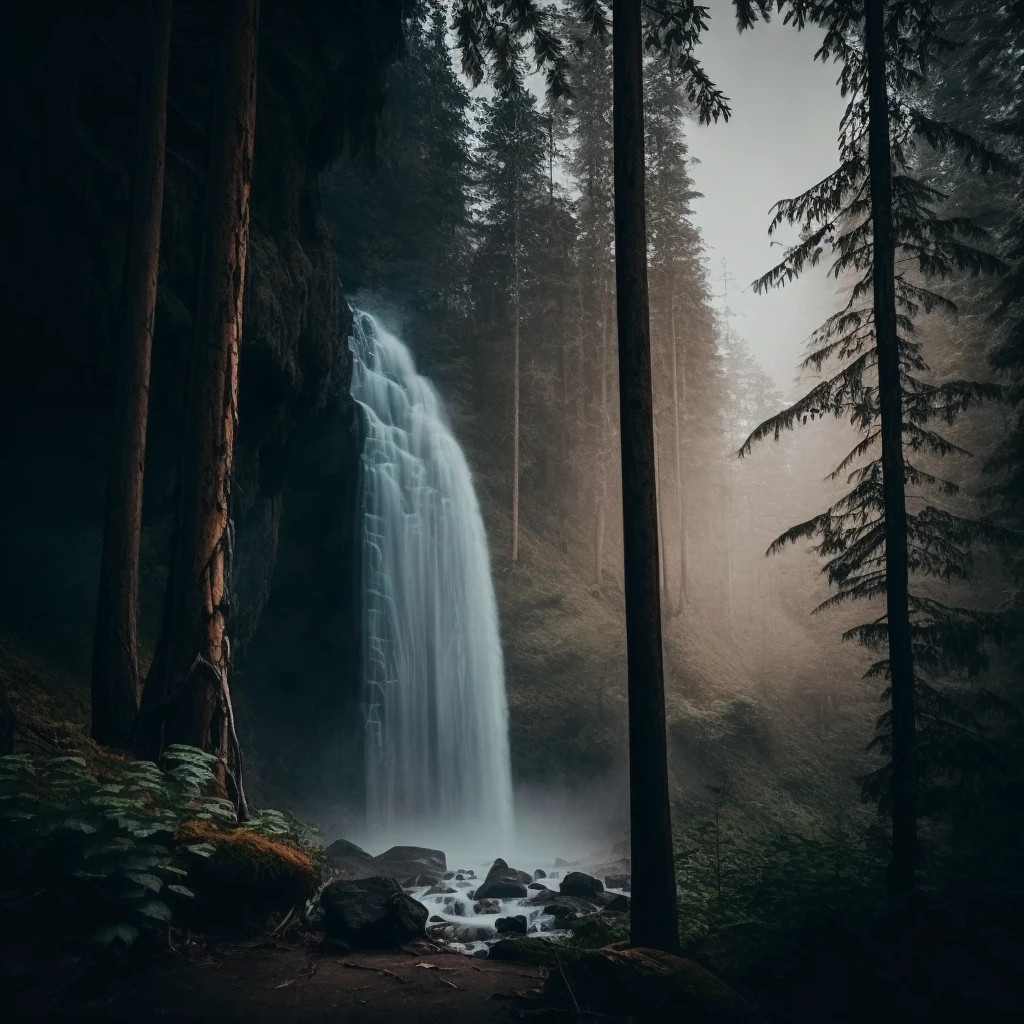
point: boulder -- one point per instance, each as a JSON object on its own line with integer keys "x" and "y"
{"x": 619, "y": 905}
{"x": 347, "y": 860}
{"x": 539, "y": 874}
{"x": 448, "y": 876}
{"x": 576, "y": 883}
{"x": 542, "y": 952}
{"x": 538, "y": 885}
{"x": 502, "y": 889}
{"x": 371, "y": 913}
{"x": 404, "y": 861}
{"x": 615, "y": 982}
{"x": 436, "y": 919}
{"x": 511, "y": 925}
{"x": 421, "y": 879}
{"x": 487, "y": 907}
{"x": 460, "y": 877}
{"x": 618, "y": 882}
{"x": 440, "y": 890}
{"x": 564, "y": 909}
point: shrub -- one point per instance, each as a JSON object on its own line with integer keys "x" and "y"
{"x": 101, "y": 839}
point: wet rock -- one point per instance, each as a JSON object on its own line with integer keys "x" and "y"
{"x": 349, "y": 861}
{"x": 511, "y": 925}
{"x": 436, "y": 918}
{"x": 524, "y": 876}
{"x": 538, "y": 885}
{"x": 539, "y": 874}
{"x": 619, "y": 905}
{"x": 440, "y": 890}
{"x": 419, "y": 880}
{"x": 460, "y": 877}
{"x": 406, "y": 861}
{"x": 576, "y": 883}
{"x": 502, "y": 889}
{"x": 450, "y": 931}
{"x": 618, "y": 882}
{"x": 487, "y": 907}
{"x": 564, "y": 908}
{"x": 448, "y": 876}
{"x": 371, "y": 913}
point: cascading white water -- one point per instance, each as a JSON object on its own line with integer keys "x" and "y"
{"x": 437, "y": 757}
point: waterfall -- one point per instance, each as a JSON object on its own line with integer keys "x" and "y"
{"x": 437, "y": 758}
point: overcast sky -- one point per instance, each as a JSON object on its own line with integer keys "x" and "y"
{"x": 781, "y": 139}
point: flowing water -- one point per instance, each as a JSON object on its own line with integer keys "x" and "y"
{"x": 437, "y": 758}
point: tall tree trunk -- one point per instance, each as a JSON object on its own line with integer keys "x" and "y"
{"x": 188, "y": 683}
{"x": 903, "y": 782}
{"x": 115, "y": 649}
{"x": 680, "y": 513}
{"x": 605, "y": 436}
{"x": 653, "y": 910}
{"x": 514, "y": 554}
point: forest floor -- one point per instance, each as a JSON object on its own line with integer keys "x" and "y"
{"x": 265, "y": 982}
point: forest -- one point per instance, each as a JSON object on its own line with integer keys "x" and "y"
{"x": 434, "y": 586}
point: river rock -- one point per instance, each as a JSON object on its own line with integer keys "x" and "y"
{"x": 539, "y": 874}
{"x": 619, "y": 905}
{"x": 440, "y": 890}
{"x": 371, "y": 913}
{"x": 436, "y": 919}
{"x": 618, "y": 882}
{"x": 460, "y": 877}
{"x": 487, "y": 907}
{"x": 538, "y": 885}
{"x": 511, "y": 925}
{"x": 448, "y": 876}
{"x": 576, "y": 883}
{"x": 452, "y": 932}
{"x": 406, "y": 861}
{"x": 564, "y": 908}
{"x": 347, "y": 860}
{"x": 502, "y": 889}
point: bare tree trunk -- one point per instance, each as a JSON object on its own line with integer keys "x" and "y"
{"x": 903, "y": 783}
{"x": 680, "y": 513}
{"x": 115, "y": 649}
{"x": 514, "y": 555}
{"x": 605, "y": 435}
{"x": 188, "y": 683}
{"x": 653, "y": 920}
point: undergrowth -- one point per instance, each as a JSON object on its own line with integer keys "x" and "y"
{"x": 110, "y": 844}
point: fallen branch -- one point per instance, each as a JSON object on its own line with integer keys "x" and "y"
{"x": 367, "y": 967}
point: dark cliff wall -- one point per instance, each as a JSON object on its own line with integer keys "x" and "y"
{"x": 68, "y": 75}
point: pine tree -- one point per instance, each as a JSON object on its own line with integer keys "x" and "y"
{"x": 879, "y": 219}
{"x": 115, "y": 654}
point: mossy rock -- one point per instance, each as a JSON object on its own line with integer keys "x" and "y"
{"x": 666, "y": 987}
{"x": 247, "y": 877}
{"x": 540, "y": 952}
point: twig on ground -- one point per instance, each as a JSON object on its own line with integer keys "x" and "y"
{"x": 368, "y": 967}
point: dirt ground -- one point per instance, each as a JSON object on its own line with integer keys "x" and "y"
{"x": 270, "y": 982}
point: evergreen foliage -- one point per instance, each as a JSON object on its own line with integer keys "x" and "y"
{"x": 835, "y": 216}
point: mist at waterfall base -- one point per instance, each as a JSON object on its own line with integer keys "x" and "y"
{"x": 437, "y": 765}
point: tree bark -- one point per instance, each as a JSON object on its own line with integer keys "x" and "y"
{"x": 188, "y": 683}
{"x": 903, "y": 781}
{"x": 653, "y": 911}
{"x": 115, "y": 651}
{"x": 514, "y": 554}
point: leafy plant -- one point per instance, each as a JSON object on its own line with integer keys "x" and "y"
{"x": 107, "y": 839}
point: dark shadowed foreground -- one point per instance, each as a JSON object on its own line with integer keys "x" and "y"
{"x": 269, "y": 981}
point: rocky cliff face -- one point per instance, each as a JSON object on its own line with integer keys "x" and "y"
{"x": 69, "y": 79}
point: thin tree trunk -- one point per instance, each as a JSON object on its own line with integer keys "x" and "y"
{"x": 188, "y": 683}
{"x": 678, "y": 456}
{"x": 605, "y": 435}
{"x": 653, "y": 911}
{"x": 903, "y": 783}
{"x": 514, "y": 556}
{"x": 115, "y": 650}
